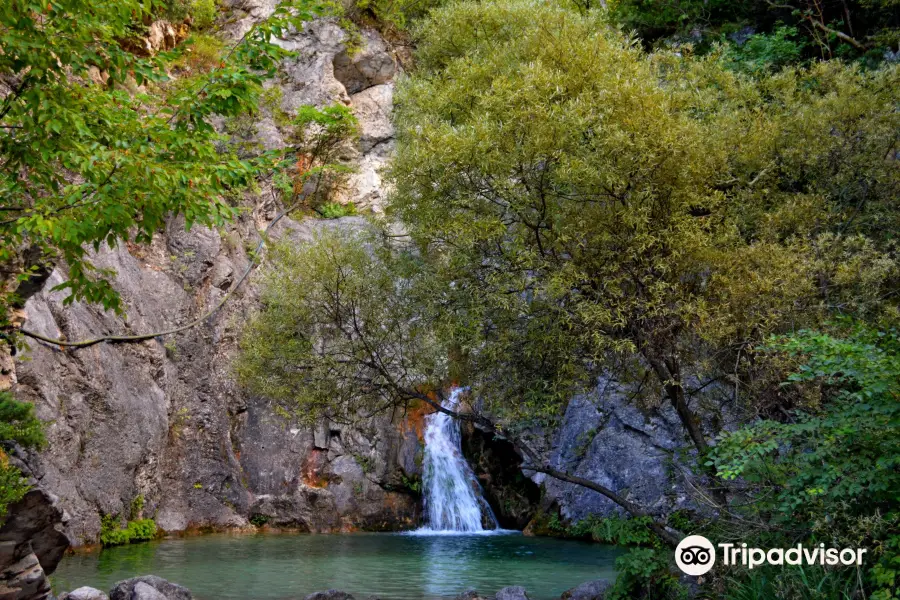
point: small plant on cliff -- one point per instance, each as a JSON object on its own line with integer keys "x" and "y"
{"x": 259, "y": 520}
{"x": 138, "y": 530}
{"x": 18, "y": 425}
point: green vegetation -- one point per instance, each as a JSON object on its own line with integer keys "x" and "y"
{"x": 259, "y": 520}
{"x": 201, "y": 12}
{"x": 137, "y": 530}
{"x": 18, "y": 425}
{"x": 333, "y": 210}
{"x": 830, "y": 473}
{"x": 863, "y": 30}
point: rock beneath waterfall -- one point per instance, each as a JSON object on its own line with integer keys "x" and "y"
{"x": 85, "y": 593}
{"x": 470, "y": 594}
{"x": 589, "y": 590}
{"x": 513, "y": 592}
{"x": 149, "y": 587}
{"x": 330, "y": 595}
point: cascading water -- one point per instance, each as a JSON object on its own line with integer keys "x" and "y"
{"x": 453, "y": 498}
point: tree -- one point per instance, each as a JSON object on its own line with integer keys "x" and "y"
{"x": 97, "y": 148}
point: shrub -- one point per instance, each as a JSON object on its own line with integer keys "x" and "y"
{"x": 138, "y": 530}
{"x": 333, "y": 210}
{"x": 201, "y": 53}
{"x": 204, "y": 13}
{"x": 17, "y": 425}
{"x": 765, "y": 52}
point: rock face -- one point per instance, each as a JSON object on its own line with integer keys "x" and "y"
{"x": 161, "y": 424}
{"x": 638, "y": 453}
{"x": 31, "y": 546}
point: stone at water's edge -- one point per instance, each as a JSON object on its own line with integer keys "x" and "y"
{"x": 85, "y": 593}
{"x": 589, "y": 590}
{"x": 513, "y": 592}
{"x": 149, "y": 587}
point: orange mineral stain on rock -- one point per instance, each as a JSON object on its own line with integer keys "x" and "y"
{"x": 310, "y": 471}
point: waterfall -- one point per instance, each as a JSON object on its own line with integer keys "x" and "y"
{"x": 453, "y": 497}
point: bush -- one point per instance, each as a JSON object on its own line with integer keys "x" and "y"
{"x": 17, "y": 425}
{"x": 765, "y": 52}
{"x": 201, "y": 53}
{"x": 854, "y": 432}
{"x": 139, "y": 530}
{"x": 203, "y": 12}
{"x": 333, "y": 210}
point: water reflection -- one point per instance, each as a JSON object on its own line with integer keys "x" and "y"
{"x": 392, "y": 567}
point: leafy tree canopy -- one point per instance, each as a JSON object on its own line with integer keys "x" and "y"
{"x": 97, "y": 148}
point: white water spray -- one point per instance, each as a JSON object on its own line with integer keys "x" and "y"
{"x": 453, "y": 497}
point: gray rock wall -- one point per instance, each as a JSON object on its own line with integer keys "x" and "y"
{"x": 643, "y": 454}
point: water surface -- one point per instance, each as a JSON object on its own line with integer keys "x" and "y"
{"x": 390, "y": 566}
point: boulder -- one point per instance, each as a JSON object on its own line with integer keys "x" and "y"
{"x": 470, "y": 594}
{"x": 142, "y": 591}
{"x": 30, "y": 545}
{"x": 84, "y": 593}
{"x": 589, "y": 590}
{"x": 149, "y": 587}
{"x": 330, "y": 595}
{"x": 513, "y": 592}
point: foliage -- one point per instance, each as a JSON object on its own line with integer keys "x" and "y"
{"x": 202, "y": 12}
{"x": 661, "y": 205}
{"x": 201, "y": 53}
{"x": 90, "y": 157}
{"x": 259, "y": 520}
{"x": 762, "y": 52}
{"x": 322, "y": 137}
{"x": 395, "y": 15}
{"x": 830, "y": 473}
{"x": 413, "y": 484}
{"x": 139, "y": 530}
{"x": 13, "y": 486}
{"x": 333, "y": 210}
{"x": 331, "y": 320}
{"x": 615, "y": 530}
{"x": 18, "y": 425}
{"x": 854, "y": 29}
{"x": 646, "y": 573}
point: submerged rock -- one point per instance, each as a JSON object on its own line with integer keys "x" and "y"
{"x": 149, "y": 587}
{"x": 330, "y": 595}
{"x": 513, "y": 592}
{"x": 84, "y": 593}
{"x": 589, "y": 590}
{"x": 470, "y": 594}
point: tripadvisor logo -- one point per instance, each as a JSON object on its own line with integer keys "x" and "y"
{"x": 695, "y": 555}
